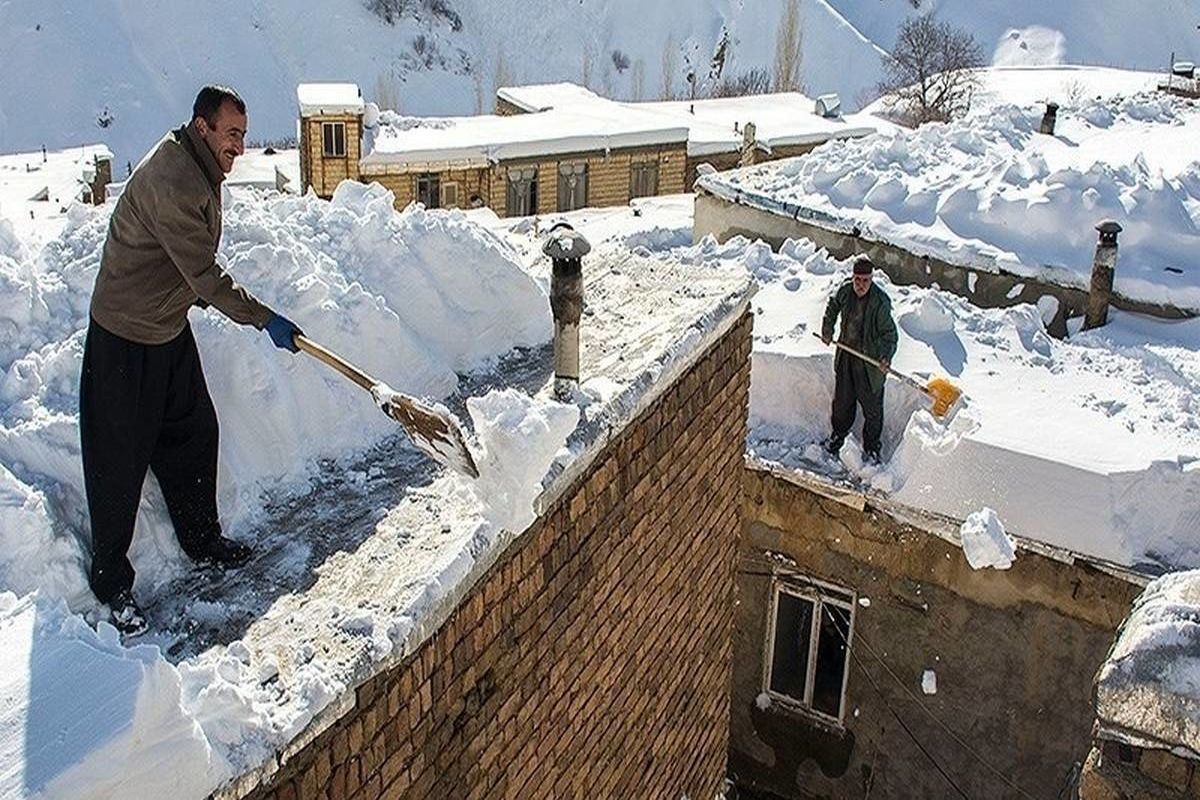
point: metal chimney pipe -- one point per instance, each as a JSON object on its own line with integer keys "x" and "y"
{"x": 1049, "y": 119}
{"x": 1104, "y": 266}
{"x": 566, "y": 250}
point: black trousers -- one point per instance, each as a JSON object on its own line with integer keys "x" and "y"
{"x": 144, "y": 406}
{"x": 851, "y": 388}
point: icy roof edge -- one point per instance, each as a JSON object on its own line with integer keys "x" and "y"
{"x": 939, "y": 525}
{"x": 639, "y": 396}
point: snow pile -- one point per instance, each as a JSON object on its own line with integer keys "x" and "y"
{"x": 929, "y": 682}
{"x": 984, "y": 542}
{"x": 520, "y": 436}
{"x": 412, "y": 298}
{"x": 991, "y": 192}
{"x": 56, "y": 669}
{"x": 1149, "y": 688}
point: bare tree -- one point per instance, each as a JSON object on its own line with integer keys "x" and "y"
{"x": 754, "y": 81}
{"x": 931, "y": 75}
{"x": 587, "y": 61}
{"x": 387, "y": 91}
{"x": 637, "y": 79}
{"x": 502, "y": 76}
{"x": 789, "y": 38}
{"x": 669, "y": 65}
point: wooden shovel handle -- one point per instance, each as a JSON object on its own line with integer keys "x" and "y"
{"x": 878, "y": 365}
{"x": 337, "y": 362}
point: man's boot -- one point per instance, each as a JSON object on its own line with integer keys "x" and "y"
{"x": 127, "y": 616}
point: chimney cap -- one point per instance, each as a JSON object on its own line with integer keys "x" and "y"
{"x": 564, "y": 242}
{"x": 1109, "y": 226}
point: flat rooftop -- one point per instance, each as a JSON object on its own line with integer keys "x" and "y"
{"x": 36, "y": 189}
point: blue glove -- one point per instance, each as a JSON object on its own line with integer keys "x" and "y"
{"x": 283, "y": 332}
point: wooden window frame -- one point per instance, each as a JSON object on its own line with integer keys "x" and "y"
{"x": 565, "y": 189}
{"x": 329, "y": 139}
{"x": 818, "y": 593}
{"x": 434, "y": 179}
{"x": 511, "y": 190}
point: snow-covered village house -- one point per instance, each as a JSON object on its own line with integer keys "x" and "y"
{"x": 554, "y": 147}
{"x": 45, "y": 182}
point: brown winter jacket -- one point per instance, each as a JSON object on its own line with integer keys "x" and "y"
{"x": 160, "y": 255}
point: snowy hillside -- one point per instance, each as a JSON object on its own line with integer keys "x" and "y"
{"x": 122, "y": 73}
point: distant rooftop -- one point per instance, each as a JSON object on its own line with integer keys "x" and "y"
{"x": 256, "y": 167}
{"x": 36, "y": 187}
{"x": 329, "y": 98}
{"x": 463, "y": 142}
{"x": 714, "y": 124}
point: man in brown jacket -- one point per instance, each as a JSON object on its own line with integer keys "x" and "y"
{"x": 143, "y": 401}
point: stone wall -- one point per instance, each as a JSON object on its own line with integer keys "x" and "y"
{"x": 983, "y": 287}
{"x": 593, "y": 660}
{"x": 507, "y": 109}
{"x": 470, "y": 183}
{"x": 1117, "y": 771}
{"x": 1014, "y": 652}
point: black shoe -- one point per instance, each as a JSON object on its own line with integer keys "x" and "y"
{"x": 127, "y": 616}
{"x": 222, "y": 552}
{"x": 832, "y": 447}
{"x": 872, "y": 457}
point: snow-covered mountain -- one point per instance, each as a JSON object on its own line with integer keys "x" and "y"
{"x": 123, "y": 71}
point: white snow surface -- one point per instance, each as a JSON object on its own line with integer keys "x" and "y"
{"x": 56, "y": 671}
{"x": 1104, "y": 424}
{"x": 1148, "y": 691}
{"x": 990, "y": 192}
{"x": 58, "y": 176}
{"x": 929, "y": 682}
{"x": 984, "y": 542}
{"x": 415, "y": 298}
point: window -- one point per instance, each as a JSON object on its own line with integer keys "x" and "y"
{"x": 450, "y": 195}
{"x": 429, "y": 190}
{"x": 643, "y": 179}
{"x": 333, "y": 139}
{"x": 808, "y": 647}
{"x": 522, "y": 192}
{"x": 572, "y": 186}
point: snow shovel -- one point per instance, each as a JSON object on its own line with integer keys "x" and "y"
{"x": 942, "y": 392}
{"x": 433, "y": 430}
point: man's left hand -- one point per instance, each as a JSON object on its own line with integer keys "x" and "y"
{"x": 283, "y": 332}
{"x": 884, "y": 364}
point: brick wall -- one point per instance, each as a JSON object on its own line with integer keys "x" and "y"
{"x": 325, "y": 173}
{"x": 593, "y": 659}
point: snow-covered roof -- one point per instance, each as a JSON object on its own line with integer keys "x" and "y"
{"x": 243, "y": 664}
{"x": 544, "y": 96}
{"x": 990, "y": 192}
{"x": 479, "y": 141}
{"x": 714, "y": 124}
{"x": 329, "y": 98}
{"x": 782, "y": 119}
{"x": 34, "y": 188}
{"x": 263, "y": 170}
{"x": 1148, "y": 691}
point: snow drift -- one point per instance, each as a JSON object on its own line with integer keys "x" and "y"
{"x": 990, "y": 192}
{"x": 411, "y": 297}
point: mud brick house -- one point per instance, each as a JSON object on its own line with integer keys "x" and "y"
{"x": 723, "y": 132}
{"x": 517, "y": 166}
{"x": 870, "y": 660}
{"x": 588, "y": 655}
{"x": 552, "y": 148}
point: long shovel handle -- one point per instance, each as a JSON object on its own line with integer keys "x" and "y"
{"x": 913, "y": 382}
{"x": 337, "y": 362}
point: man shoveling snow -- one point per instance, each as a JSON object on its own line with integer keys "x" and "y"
{"x": 866, "y": 325}
{"x": 143, "y": 400}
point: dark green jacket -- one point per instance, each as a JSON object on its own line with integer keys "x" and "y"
{"x": 879, "y": 329}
